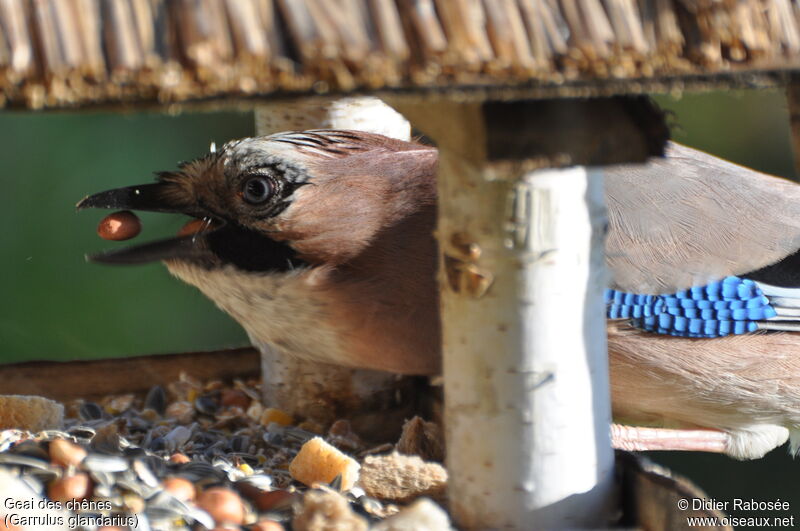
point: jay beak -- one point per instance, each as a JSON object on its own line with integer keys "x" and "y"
{"x": 321, "y": 243}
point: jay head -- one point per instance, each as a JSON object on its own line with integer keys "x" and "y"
{"x": 319, "y": 243}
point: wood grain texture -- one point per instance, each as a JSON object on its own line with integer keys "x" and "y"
{"x": 650, "y": 494}
{"x": 93, "y": 378}
{"x": 62, "y": 53}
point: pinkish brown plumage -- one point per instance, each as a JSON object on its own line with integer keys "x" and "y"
{"x": 336, "y": 264}
{"x": 321, "y": 243}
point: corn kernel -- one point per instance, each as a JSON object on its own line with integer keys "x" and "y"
{"x": 277, "y": 416}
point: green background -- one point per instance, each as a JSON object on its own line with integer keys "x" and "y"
{"x": 57, "y": 306}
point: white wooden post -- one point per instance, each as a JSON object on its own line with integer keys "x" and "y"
{"x": 300, "y": 387}
{"x": 527, "y": 406}
{"x": 562, "y": 216}
{"x": 360, "y": 113}
{"x": 526, "y": 380}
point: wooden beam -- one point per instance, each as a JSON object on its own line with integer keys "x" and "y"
{"x": 793, "y": 101}
{"x": 90, "y": 379}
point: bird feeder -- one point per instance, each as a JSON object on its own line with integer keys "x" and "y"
{"x": 527, "y": 101}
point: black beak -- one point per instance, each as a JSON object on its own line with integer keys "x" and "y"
{"x": 155, "y": 197}
{"x": 192, "y": 247}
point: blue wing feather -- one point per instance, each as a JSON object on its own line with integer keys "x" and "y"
{"x": 733, "y": 305}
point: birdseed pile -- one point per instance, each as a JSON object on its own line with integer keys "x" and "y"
{"x": 212, "y": 456}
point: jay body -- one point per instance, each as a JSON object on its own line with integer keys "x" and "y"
{"x": 714, "y": 246}
{"x": 321, "y": 243}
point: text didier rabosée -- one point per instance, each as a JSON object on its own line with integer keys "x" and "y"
{"x": 739, "y": 504}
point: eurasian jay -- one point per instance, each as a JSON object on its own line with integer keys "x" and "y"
{"x": 321, "y": 243}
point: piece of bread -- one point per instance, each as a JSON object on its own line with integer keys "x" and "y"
{"x": 31, "y": 413}
{"x": 402, "y": 478}
{"x": 319, "y": 462}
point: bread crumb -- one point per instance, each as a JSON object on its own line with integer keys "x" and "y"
{"x": 319, "y": 462}
{"x": 402, "y": 478}
{"x": 31, "y": 413}
{"x": 422, "y": 515}
{"x": 326, "y": 510}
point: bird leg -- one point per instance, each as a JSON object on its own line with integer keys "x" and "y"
{"x": 641, "y": 439}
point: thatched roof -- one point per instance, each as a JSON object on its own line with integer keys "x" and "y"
{"x": 68, "y": 52}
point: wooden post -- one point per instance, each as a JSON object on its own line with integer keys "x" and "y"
{"x": 361, "y": 113}
{"x": 793, "y": 103}
{"x": 527, "y": 406}
{"x": 311, "y": 389}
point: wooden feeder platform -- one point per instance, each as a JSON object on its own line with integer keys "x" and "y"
{"x": 67, "y": 53}
{"x": 171, "y": 54}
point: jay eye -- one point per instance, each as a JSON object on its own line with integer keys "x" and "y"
{"x": 256, "y": 190}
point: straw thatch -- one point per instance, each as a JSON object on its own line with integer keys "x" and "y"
{"x": 68, "y": 52}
